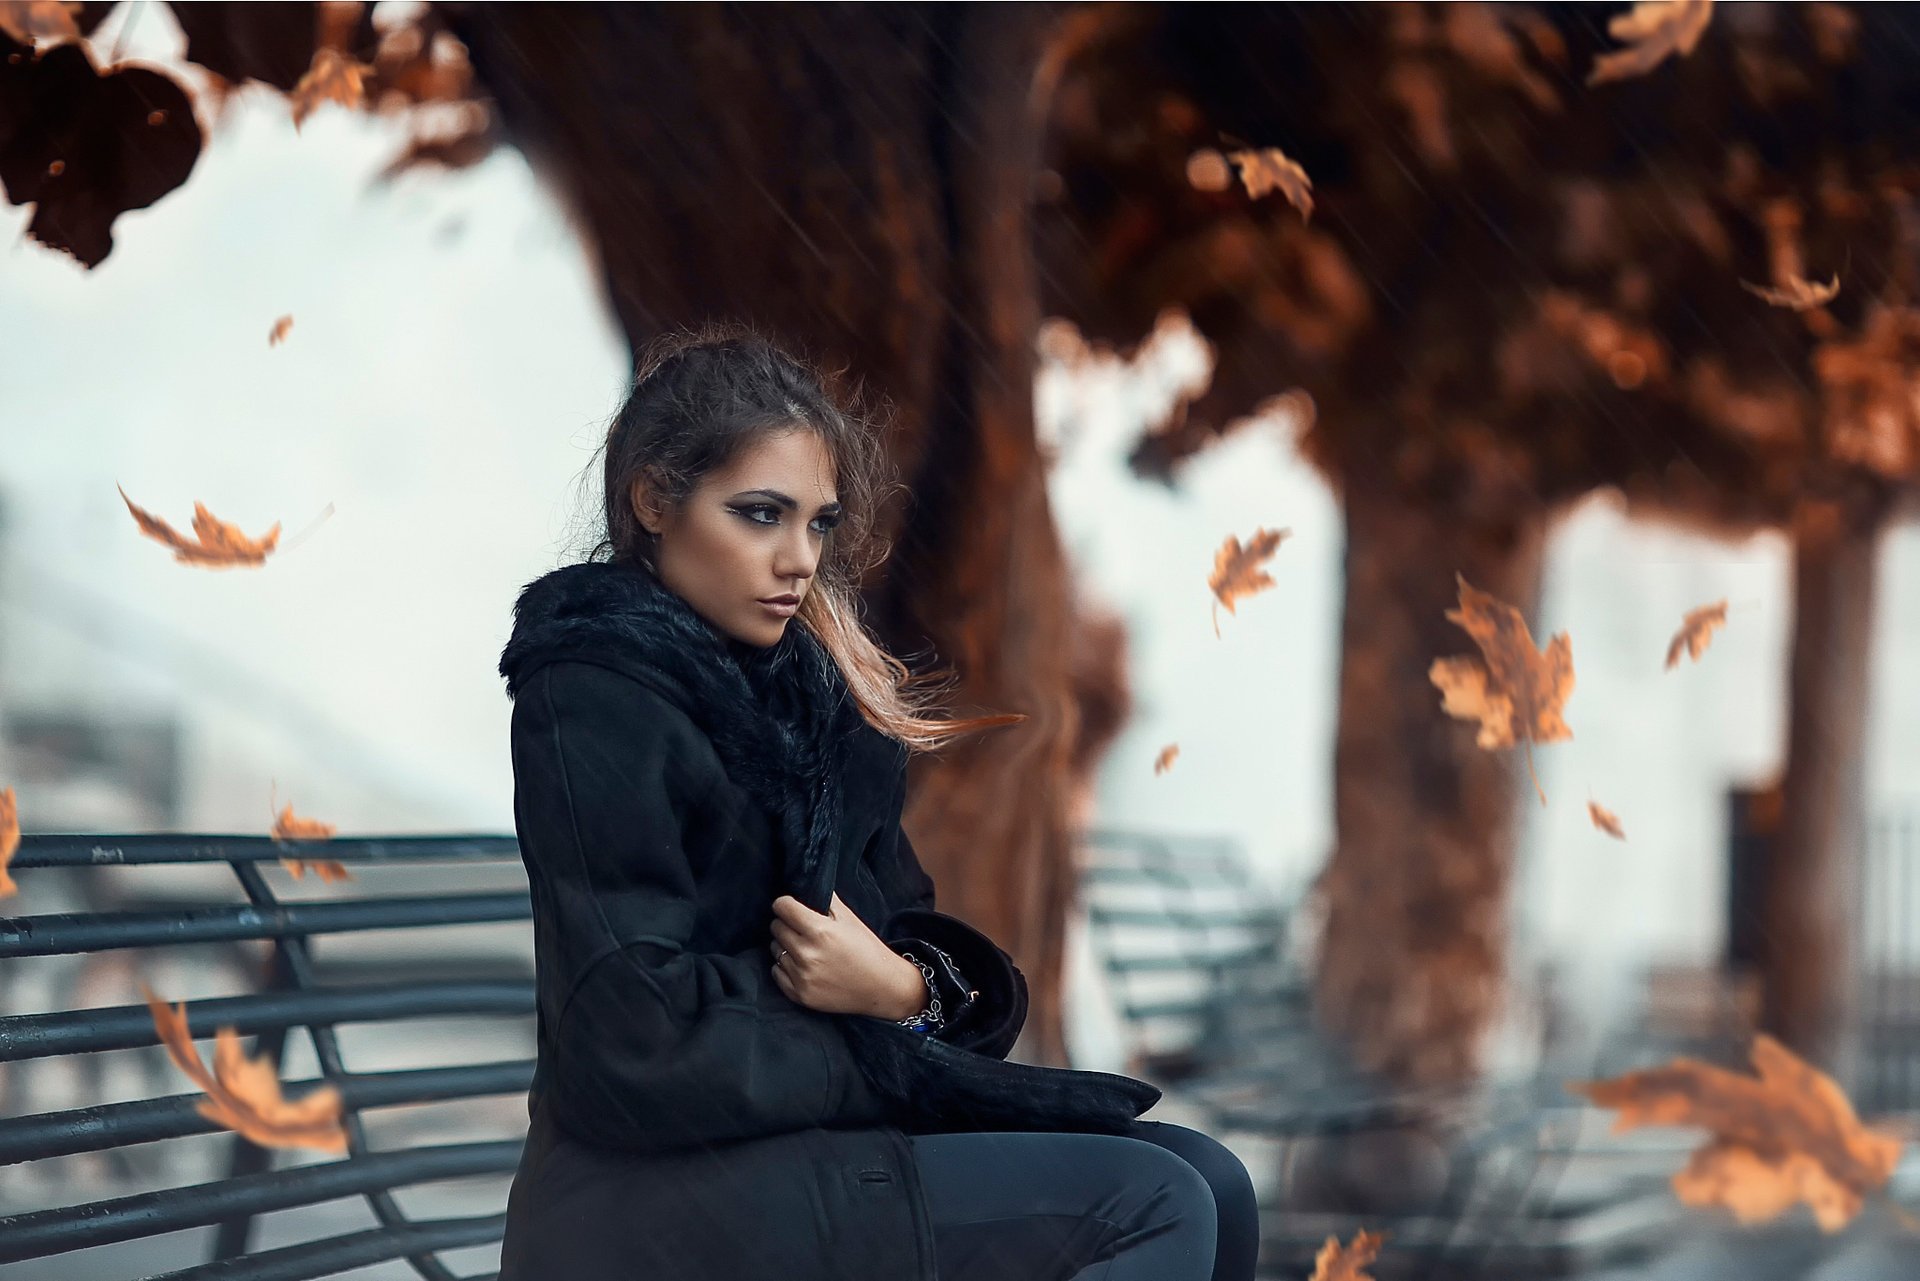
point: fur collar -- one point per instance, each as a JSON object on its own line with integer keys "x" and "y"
{"x": 780, "y": 718}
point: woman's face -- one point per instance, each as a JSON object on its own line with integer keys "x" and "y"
{"x": 750, "y": 531}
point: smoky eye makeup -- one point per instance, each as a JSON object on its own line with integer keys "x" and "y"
{"x": 753, "y": 511}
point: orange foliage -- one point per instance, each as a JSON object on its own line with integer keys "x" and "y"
{"x": 1870, "y": 393}
{"x": 1236, "y": 569}
{"x": 287, "y": 826}
{"x": 1336, "y": 1262}
{"x": 31, "y": 21}
{"x": 1518, "y": 692}
{"x": 1785, "y": 1135}
{"x": 1696, "y": 632}
{"x": 333, "y": 77}
{"x": 1796, "y": 292}
{"x": 1269, "y": 169}
{"x": 9, "y": 840}
{"x": 1606, "y": 820}
{"x": 1653, "y": 32}
{"x": 218, "y": 546}
{"x": 244, "y": 1094}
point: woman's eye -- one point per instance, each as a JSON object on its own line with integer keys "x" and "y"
{"x": 826, "y": 523}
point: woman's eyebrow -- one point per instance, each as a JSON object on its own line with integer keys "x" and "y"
{"x": 783, "y": 499}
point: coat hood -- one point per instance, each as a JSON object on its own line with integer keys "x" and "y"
{"x": 780, "y": 717}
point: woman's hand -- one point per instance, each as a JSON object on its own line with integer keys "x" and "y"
{"x": 835, "y": 964}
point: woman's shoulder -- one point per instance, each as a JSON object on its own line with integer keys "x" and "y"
{"x": 579, "y": 698}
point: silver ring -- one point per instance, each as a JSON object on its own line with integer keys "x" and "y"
{"x": 780, "y": 954}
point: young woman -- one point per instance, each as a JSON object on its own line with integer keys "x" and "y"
{"x": 762, "y": 1053}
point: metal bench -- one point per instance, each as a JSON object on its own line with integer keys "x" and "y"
{"x": 1218, "y": 1012}
{"x": 358, "y": 970}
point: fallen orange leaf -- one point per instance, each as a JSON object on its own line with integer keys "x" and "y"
{"x": 1654, "y": 31}
{"x": 1796, "y": 293}
{"x": 1696, "y": 632}
{"x": 1269, "y": 169}
{"x": 1236, "y": 569}
{"x": 9, "y": 840}
{"x": 1164, "y": 761}
{"x": 1518, "y": 694}
{"x": 1344, "y": 1263}
{"x": 219, "y": 545}
{"x": 1606, "y": 820}
{"x": 244, "y": 1094}
{"x": 281, "y": 328}
{"x": 1786, "y": 1135}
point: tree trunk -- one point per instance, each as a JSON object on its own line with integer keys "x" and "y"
{"x": 990, "y": 583}
{"x": 1808, "y": 983}
{"x": 1412, "y": 958}
{"x": 857, "y": 182}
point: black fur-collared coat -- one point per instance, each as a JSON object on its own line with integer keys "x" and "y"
{"x": 690, "y": 1122}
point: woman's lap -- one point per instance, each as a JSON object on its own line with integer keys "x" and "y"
{"x": 1163, "y": 1201}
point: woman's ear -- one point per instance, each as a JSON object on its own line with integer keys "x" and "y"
{"x": 645, "y": 508}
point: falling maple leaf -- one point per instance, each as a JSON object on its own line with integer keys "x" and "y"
{"x": 1696, "y": 632}
{"x": 1606, "y": 820}
{"x": 1236, "y": 569}
{"x": 1164, "y": 761}
{"x": 1268, "y": 169}
{"x": 1336, "y": 1262}
{"x": 327, "y": 869}
{"x": 1797, "y": 292}
{"x": 333, "y": 76}
{"x": 1518, "y": 694}
{"x": 1786, "y": 1135}
{"x": 244, "y": 1094}
{"x": 31, "y": 22}
{"x": 9, "y": 840}
{"x": 281, "y": 328}
{"x": 220, "y": 545}
{"x": 287, "y": 826}
{"x": 1653, "y": 31}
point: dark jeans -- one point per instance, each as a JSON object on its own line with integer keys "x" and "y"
{"x": 1163, "y": 1203}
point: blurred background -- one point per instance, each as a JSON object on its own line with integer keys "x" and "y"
{"x": 1507, "y": 337}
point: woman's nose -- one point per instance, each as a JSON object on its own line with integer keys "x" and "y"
{"x": 796, "y": 561}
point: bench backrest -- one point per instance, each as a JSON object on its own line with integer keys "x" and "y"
{"x": 1192, "y": 946}
{"x": 399, "y": 994}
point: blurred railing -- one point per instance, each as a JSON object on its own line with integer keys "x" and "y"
{"x": 1888, "y": 1076}
{"x": 295, "y": 989}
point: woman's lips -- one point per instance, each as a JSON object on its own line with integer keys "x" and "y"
{"x": 784, "y": 609}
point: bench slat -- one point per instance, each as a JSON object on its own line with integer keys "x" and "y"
{"x": 1198, "y": 962}
{"x": 66, "y": 933}
{"x": 125, "y": 1027}
{"x": 86, "y": 849}
{"x": 117, "y": 1125}
{"x": 41, "y": 1233}
{"x": 1172, "y": 918}
{"x": 330, "y": 1256}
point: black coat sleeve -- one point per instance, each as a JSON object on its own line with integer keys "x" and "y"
{"x": 653, "y": 1046}
{"x": 993, "y": 1023}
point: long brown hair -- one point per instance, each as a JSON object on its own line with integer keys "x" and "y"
{"x": 702, "y": 395}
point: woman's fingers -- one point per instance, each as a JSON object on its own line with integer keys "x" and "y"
{"x": 791, "y": 910}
